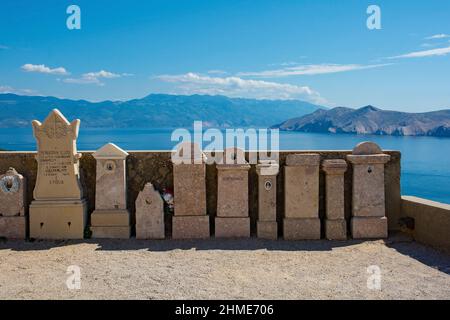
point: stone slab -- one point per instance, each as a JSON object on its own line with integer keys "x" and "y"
{"x": 301, "y": 192}
{"x": 149, "y": 214}
{"x": 110, "y": 218}
{"x": 267, "y": 230}
{"x": 189, "y": 189}
{"x": 301, "y": 229}
{"x": 232, "y": 227}
{"x": 190, "y": 227}
{"x": 336, "y": 229}
{"x": 232, "y": 194}
{"x": 369, "y": 227}
{"x": 12, "y": 194}
{"x": 13, "y": 227}
{"x": 58, "y": 219}
{"x": 122, "y": 232}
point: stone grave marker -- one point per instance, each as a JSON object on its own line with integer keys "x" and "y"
{"x": 267, "y": 226}
{"x": 12, "y": 205}
{"x": 149, "y": 214}
{"x": 58, "y": 210}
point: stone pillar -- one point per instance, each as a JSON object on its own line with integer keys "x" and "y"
{"x": 190, "y": 218}
{"x": 368, "y": 200}
{"x": 335, "y": 224}
{"x": 59, "y": 210}
{"x": 267, "y": 227}
{"x": 301, "y": 197}
{"x": 232, "y": 219}
{"x": 149, "y": 214}
{"x": 12, "y": 205}
{"x": 111, "y": 219}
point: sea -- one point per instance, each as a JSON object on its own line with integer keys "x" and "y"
{"x": 425, "y": 160}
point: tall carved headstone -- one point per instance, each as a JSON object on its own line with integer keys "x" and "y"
{"x": 335, "y": 224}
{"x": 267, "y": 226}
{"x": 190, "y": 218}
{"x": 232, "y": 219}
{"x": 12, "y": 205}
{"x": 59, "y": 210}
{"x": 149, "y": 214}
{"x": 301, "y": 192}
{"x": 368, "y": 200}
{"x": 111, "y": 219}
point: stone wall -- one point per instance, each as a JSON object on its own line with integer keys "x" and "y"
{"x": 156, "y": 167}
{"x": 431, "y": 221}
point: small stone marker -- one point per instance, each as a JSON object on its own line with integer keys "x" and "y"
{"x": 267, "y": 227}
{"x": 190, "y": 218}
{"x": 59, "y": 210}
{"x": 12, "y": 205}
{"x": 301, "y": 192}
{"x": 335, "y": 224}
{"x": 232, "y": 219}
{"x": 111, "y": 219}
{"x": 368, "y": 201}
{"x": 149, "y": 214}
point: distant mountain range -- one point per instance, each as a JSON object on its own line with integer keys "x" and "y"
{"x": 371, "y": 120}
{"x": 154, "y": 111}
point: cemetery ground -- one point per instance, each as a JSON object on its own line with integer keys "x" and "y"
{"x": 223, "y": 269}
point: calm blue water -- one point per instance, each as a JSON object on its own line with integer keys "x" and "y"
{"x": 425, "y": 160}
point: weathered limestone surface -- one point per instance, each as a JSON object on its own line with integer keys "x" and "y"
{"x": 111, "y": 218}
{"x": 301, "y": 198}
{"x": 368, "y": 200}
{"x": 12, "y": 205}
{"x": 149, "y": 214}
{"x": 232, "y": 196}
{"x": 59, "y": 210}
{"x": 267, "y": 226}
{"x": 189, "y": 174}
{"x": 335, "y": 224}
{"x": 156, "y": 166}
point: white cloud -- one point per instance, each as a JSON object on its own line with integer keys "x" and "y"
{"x": 312, "y": 69}
{"x": 41, "y": 68}
{"x": 193, "y": 83}
{"x": 425, "y": 53}
{"x": 438, "y": 36}
{"x": 94, "y": 77}
{"x": 24, "y": 92}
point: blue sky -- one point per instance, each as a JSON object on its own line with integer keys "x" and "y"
{"x": 319, "y": 51}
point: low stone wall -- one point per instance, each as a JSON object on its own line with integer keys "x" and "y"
{"x": 156, "y": 167}
{"x": 431, "y": 221}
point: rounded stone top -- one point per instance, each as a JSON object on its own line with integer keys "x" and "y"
{"x": 366, "y": 148}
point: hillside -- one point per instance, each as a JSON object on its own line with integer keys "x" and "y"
{"x": 371, "y": 120}
{"x": 154, "y": 111}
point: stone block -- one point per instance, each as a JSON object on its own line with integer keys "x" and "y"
{"x": 58, "y": 219}
{"x": 301, "y": 229}
{"x": 13, "y": 227}
{"x": 301, "y": 187}
{"x": 336, "y": 229}
{"x": 111, "y": 232}
{"x": 267, "y": 230}
{"x": 230, "y": 227}
{"x": 190, "y": 227}
{"x": 369, "y": 227}
{"x": 111, "y": 218}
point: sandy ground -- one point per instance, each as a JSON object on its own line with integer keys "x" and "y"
{"x": 222, "y": 269}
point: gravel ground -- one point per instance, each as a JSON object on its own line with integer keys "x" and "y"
{"x": 222, "y": 269}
